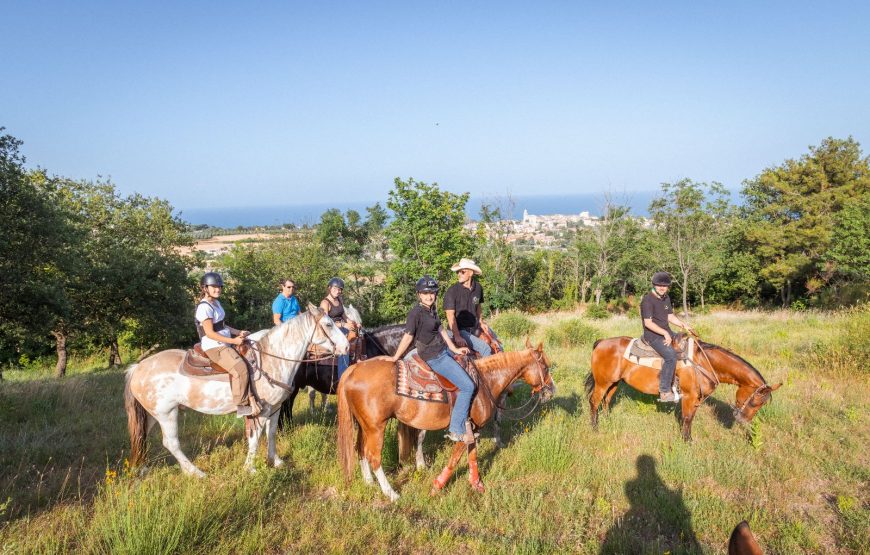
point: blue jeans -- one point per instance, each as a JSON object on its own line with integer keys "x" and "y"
{"x": 343, "y": 360}
{"x": 478, "y": 344}
{"x": 445, "y": 366}
{"x": 666, "y": 377}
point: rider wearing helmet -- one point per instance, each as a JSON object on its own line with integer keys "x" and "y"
{"x": 423, "y": 327}
{"x": 333, "y": 305}
{"x": 463, "y": 302}
{"x": 217, "y": 338}
{"x": 656, "y": 311}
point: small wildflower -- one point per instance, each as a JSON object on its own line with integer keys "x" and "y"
{"x": 111, "y": 475}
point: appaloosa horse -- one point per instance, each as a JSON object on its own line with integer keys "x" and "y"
{"x": 156, "y": 387}
{"x": 712, "y": 364}
{"x": 367, "y": 395}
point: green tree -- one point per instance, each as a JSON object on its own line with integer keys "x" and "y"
{"x": 425, "y": 236}
{"x": 850, "y": 241}
{"x": 791, "y": 210}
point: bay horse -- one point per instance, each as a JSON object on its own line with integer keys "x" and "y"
{"x": 713, "y": 365}
{"x": 367, "y": 395}
{"x": 156, "y": 389}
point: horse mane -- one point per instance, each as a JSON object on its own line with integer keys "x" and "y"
{"x": 729, "y": 352}
{"x": 283, "y": 330}
{"x": 502, "y": 360}
{"x": 352, "y": 314}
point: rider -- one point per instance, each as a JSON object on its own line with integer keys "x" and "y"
{"x": 423, "y": 327}
{"x": 462, "y": 304}
{"x": 656, "y": 311}
{"x": 217, "y": 337}
{"x": 333, "y": 305}
{"x": 285, "y": 305}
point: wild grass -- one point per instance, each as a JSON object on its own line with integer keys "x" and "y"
{"x": 799, "y": 474}
{"x": 512, "y": 324}
{"x": 573, "y": 332}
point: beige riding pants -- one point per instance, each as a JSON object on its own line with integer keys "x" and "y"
{"x": 232, "y": 362}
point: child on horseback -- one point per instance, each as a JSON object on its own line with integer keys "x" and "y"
{"x": 217, "y": 338}
{"x": 423, "y": 327}
{"x": 656, "y": 311}
{"x": 333, "y": 305}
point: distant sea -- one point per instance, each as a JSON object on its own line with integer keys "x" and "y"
{"x": 309, "y": 214}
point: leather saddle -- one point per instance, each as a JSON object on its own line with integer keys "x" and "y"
{"x": 422, "y": 378}
{"x": 196, "y": 363}
{"x": 641, "y": 353}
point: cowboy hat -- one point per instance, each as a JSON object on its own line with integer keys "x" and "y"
{"x": 466, "y": 264}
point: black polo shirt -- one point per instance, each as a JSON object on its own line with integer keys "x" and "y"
{"x": 425, "y": 326}
{"x": 657, "y": 309}
{"x": 465, "y": 302}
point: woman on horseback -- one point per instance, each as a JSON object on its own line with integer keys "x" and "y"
{"x": 333, "y": 305}
{"x": 423, "y": 327}
{"x": 217, "y": 339}
{"x": 656, "y": 311}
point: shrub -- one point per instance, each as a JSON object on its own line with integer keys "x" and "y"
{"x": 571, "y": 333}
{"x": 597, "y": 312}
{"x": 848, "y": 352}
{"x": 513, "y": 324}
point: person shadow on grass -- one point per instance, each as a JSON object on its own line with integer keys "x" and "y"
{"x": 657, "y": 520}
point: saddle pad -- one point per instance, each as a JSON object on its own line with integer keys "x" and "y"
{"x": 419, "y": 383}
{"x": 651, "y": 359}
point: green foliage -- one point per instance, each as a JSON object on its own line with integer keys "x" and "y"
{"x": 570, "y": 333}
{"x": 597, "y": 312}
{"x": 848, "y": 351}
{"x": 513, "y": 324}
{"x": 425, "y": 237}
{"x": 850, "y": 244}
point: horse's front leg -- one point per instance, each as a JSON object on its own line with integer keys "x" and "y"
{"x": 441, "y": 481}
{"x": 420, "y": 459}
{"x": 502, "y": 401}
{"x": 689, "y": 406}
{"x": 253, "y": 427}
{"x": 473, "y": 472}
{"x": 271, "y": 433}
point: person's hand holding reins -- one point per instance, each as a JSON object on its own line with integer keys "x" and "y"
{"x": 462, "y": 351}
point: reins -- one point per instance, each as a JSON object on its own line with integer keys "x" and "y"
{"x": 535, "y": 396}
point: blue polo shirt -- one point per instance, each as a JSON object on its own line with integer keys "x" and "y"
{"x": 286, "y": 307}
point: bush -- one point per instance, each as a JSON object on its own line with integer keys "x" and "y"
{"x": 513, "y": 324}
{"x": 849, "y": 351}
{"x": 571, "y": 333}
{"x": 597, "y": 312}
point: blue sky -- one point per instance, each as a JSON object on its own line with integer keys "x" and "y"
{"x": 218, "y": 104}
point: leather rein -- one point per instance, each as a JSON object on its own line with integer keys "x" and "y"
{"x": 507, "y": 413}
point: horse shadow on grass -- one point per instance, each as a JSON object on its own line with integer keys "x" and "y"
{"x": 723, "y": 412}
{"x": 657, "y": 520}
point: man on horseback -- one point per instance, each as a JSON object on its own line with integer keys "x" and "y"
{"x": 217, "y": 339}
{"x": 656, "y": 311}
{"x": 285, "y": 305}
{"x": 463, "y": 303}
{"x": 333, "y": 305}
{"x": 423, "y": 327}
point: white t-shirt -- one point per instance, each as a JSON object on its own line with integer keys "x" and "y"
{"x": 214, "y": 312}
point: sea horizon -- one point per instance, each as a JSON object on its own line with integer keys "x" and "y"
{"x": 309, "y": 214}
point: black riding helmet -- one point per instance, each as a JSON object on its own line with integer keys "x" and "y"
{"x": 211, "y": 278}
{"x": 661, "y": 278}
{"x": 336, "y": 281}
{"x": 427, "y": 284}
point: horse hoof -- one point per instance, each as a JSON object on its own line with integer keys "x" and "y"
{"x": 478, "y": 486}
{"x": 393, "y": 496}
{"x": 278, "y": 463}
{"x": 196, "y": 473}
{"x": 434, "y": 491}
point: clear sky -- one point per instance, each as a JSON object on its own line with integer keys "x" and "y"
{"x": 218, "y": 104}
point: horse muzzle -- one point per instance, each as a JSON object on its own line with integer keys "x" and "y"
{"x": 548, "y": 391}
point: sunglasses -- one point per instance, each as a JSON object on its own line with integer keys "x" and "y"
{"x": 289, "y": 287}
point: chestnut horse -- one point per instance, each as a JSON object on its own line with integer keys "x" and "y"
{"x": 156, "y": 388}
{"x": 367, "y": 395}
{"x": 712, "y": 365}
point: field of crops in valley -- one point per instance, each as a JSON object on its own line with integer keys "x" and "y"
{"x": 798, "y": 474}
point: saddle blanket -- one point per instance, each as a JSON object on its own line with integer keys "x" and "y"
{"x": 638, "y": 352}
{"x": 417, "y": 382}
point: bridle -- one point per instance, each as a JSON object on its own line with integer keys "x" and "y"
{"x": 318, "y": 324}
{"x": 541, "y": 366}
{"x": 739, "y": 410}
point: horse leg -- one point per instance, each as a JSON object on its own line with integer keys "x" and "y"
{"x": 473, "y": 472}
{"x": 323, "y": 402}
{"x": 598, "y": 393}
{"x": 254, "y": 427}
{"x": 271, "y": 432}
{"x": 439, "y": 482}
{"x": 608, "y": 396}
{"x": 287, "y": 409}
{"x": 169, "y": 428}
{"x": 312, "y": 394}
{"x": 374, "y": 443}
{"x": 364, "y": 465}
{"x": 502, "y": 399}
{"x": 689, "y": 405}
{"x": 421, "y": 460}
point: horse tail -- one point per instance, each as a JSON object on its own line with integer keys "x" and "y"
{"x": 345, "y": 430}
{"x": 590, "y": 384}
{"x": 137, "y": 422}
{"x": 407, "y": 440}
{"x": 597, "y": 341}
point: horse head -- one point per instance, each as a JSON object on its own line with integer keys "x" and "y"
{"x": 745, "y": 408}
{"x": 326, "y": 333}
{"x": 537, "y": 372}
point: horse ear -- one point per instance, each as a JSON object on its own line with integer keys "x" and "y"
{"x": 528, "y": 343}
{"x": 775, "y": 387}
{"x": 312, "y": 308}
{"x": 540, "y": 346}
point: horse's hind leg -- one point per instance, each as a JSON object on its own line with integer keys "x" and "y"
{"x": 609, "y": 396}
{"x": 374, "y": 443}
{"x": 312, "y": 395}
{"x": 364, "y": 466}
{"x": 169, "y": 428}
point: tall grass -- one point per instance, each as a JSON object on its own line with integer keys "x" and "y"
{"x": 798, "y": 474}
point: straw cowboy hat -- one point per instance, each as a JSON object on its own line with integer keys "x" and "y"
{"x": 466, "y": 264}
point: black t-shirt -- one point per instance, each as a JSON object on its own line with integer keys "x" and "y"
{"x": 425, "y": 326}
{"x": 465, "y": 302}
{"x": 658, "y": 309}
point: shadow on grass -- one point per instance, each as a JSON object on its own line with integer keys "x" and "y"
{"x": 657, "y": 520}
{"x": 723, "y": 411}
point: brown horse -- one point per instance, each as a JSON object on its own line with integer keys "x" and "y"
{"x": 367, "y": 395}
{"x": 712, "y": 365}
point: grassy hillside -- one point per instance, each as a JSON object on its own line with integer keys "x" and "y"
{"x": 799, "y": 474}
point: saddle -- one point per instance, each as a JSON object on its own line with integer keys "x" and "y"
{"x": 415, "y": 379}
{"x": 493, "y": 343}
{"x": 641, "y": 353}
{"x": 197, "y": 364}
